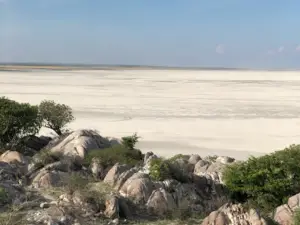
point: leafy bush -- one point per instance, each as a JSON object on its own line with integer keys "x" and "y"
{"x": 130, "y": 141}
{"x": 45, "y": 157}
{"x": 17, "y": 120}
{"x": 55, "y": 116}
{"x": 176, "y": 157}
{"x": 265, "y": 182}
{"x": 76, "y": 182}
{"x": 160, "y": 169}
{"x": 117, "y": 153}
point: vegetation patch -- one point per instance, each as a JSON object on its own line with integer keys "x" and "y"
{"x": 296, "y": 217}
{"x": 177, "y": 157}
{"x": 55, "y": 116}
{"x": 115, "y": 154}
{"x": 45, "y": 157}
{"x": 130, "y": 141}
{"x": 265, "y": 182}
{"x": 3, "y": 196}
{"x": 16, "y": 121}
{"x": 161, "y": 169}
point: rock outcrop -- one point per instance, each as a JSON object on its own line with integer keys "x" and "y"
{"x": 113, "y": 192}
{"x": 231, "y": 214}
{"x": 78, "y": 143}
{"x": 284, "y": 214}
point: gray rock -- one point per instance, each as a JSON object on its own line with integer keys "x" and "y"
{"x": 114, "y": 174}
{"x": 160, "y": 202}
{"x": 79, "y": 142}
{"x": 231, "y": 214}
{"x": 284, "y": 214}
{"x": 194, "y": 159}
{"x": 138, "y": 188}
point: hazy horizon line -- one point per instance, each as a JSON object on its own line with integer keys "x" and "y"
{"x": 57, "y": 66}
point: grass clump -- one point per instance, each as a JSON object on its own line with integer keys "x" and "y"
{"x": 45, "y": 157}
{"x": 89, "y": 190}
{"x": 12, "y": 217}
{"x": 176, "y": 157}
{"x": 3, "y": 196}
{"x": 265, "y": 182}
{"x": 296, "y": 217}
{"x": 115, "y": 154}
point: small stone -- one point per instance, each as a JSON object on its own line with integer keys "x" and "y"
{"x": 44, "y": 205}
{"x": 114, "y": 222}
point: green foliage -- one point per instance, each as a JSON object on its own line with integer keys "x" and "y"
{"x": 115, "y": 154}
{"x": 17, "y": 120}
{"x": 45, "y": 157}
{"x": 55, "y": 116}
{"x": 265, "y": 182}
{"x": 3, "y": 196}
{"x": 160, "y": 169}
{"x": 211, "y": 158}
{"x": 130, "y": 141}
{"x": 12, "y": 216}
{"x": 76, "y": 182}
{"x": 296, "y": 217}
{"x": 176, "y": 157}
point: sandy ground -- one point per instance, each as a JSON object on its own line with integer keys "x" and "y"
{"x": 234, "y": 113}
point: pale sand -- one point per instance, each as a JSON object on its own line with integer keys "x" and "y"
{"x": 234, "y": 113}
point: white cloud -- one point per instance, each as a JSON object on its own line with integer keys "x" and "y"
{"x": 280, "y": 49}
{"x": 220, "y": 49}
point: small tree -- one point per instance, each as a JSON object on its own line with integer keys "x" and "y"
{"x": 55, "y": 116}
{"x": 130, "y": 141}
{"x": 17, "y": 120}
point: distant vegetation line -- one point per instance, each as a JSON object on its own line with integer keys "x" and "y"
{"x": 6, "y": 66}
{"x": 77, "y": 66}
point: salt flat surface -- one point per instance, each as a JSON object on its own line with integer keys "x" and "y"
{"x": 235, "y": 113}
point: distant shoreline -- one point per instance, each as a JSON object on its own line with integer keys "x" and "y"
{"x": 70, "y": 67}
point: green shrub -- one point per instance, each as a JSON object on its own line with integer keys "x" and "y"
{"x": 160, "y": 169}
{"x": 45, "y": 157}
{"x": 55, "y": 116}
{"x": 115, "y": 154}
{"x": 130, "y": 141}
{"x": 211, "y": 158}
{"x": 17, "y": 120}
{"x": 265, "y": 182}
{"x": 176, "y": 157}
{"x": 76, "y": 182}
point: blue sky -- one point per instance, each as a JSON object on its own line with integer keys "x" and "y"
{"x": 219, "y": 33}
